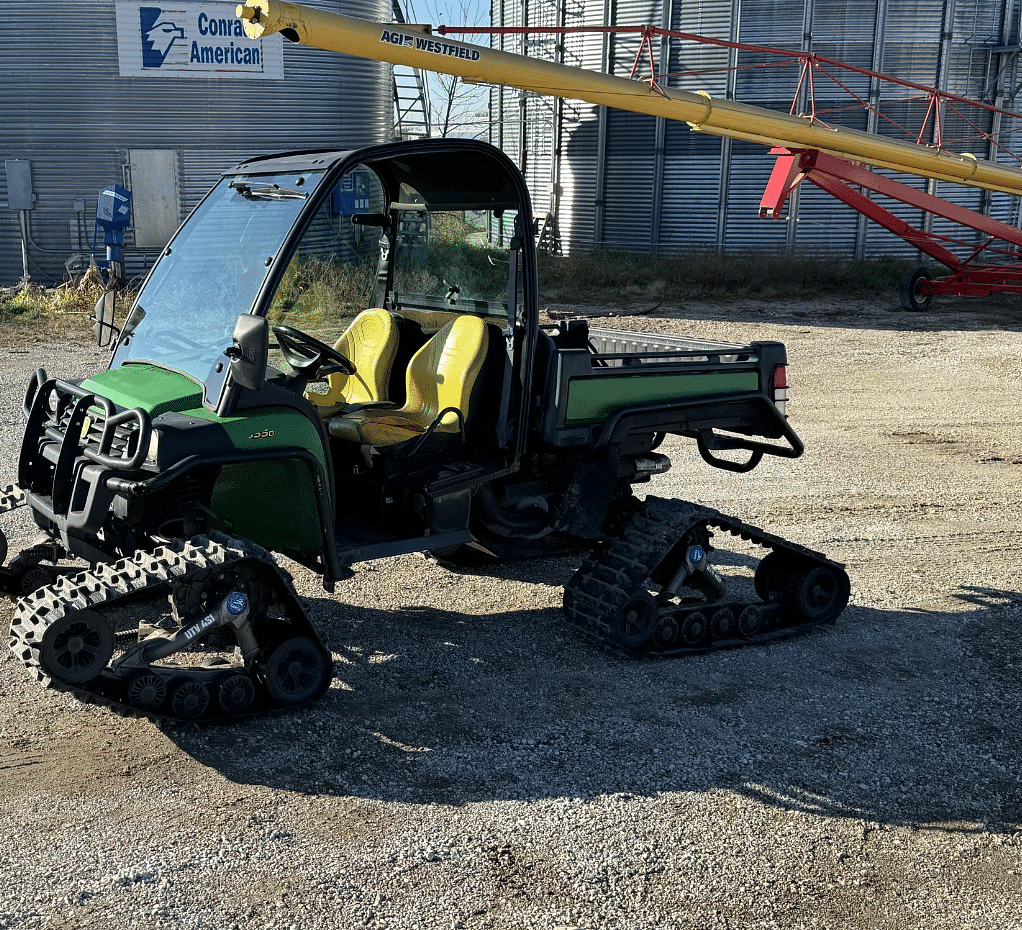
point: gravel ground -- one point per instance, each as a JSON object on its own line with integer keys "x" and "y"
{"x": 474, "y": 765}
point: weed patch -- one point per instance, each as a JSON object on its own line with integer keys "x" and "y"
{"x": 603, "y": 276}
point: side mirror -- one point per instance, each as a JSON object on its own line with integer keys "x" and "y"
{"x": 250, "y": 351}
{"x": 103, "y": 320}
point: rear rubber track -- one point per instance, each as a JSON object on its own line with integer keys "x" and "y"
{"x": 151, "y": 572}
{"x": 597, "y": 594}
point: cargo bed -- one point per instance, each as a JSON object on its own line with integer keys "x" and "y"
{"x": 606, "y": 385}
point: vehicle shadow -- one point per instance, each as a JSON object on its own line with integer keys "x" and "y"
{"x": 899, "y": 717}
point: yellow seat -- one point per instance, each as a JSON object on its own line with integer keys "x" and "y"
{"x": 440, "y": 377}
{"x": 370, "y": 343}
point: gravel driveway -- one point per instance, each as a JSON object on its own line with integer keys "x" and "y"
{"x": 474, "y": 765}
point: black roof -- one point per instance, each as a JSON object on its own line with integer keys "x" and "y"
{"x": 445, "y": 173}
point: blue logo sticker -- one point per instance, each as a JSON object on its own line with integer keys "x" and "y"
{"x": 696, "y": 554}
{"x": 158, "y": 36}
{"x": 236, "y": 603}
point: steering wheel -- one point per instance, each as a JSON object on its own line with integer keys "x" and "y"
{"x": 308, "y": 356}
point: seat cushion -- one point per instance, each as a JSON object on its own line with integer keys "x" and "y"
{"x": 440, "y": 376}
{"x": 386, "y": 430}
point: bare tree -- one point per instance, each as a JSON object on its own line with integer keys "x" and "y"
{"x": 456, "y": 108}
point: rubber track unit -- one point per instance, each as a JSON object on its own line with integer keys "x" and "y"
{"x": 134, "y": 576}
{"x": 597, "y": 594}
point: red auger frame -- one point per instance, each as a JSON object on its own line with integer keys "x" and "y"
{"x": 993, "y": 261}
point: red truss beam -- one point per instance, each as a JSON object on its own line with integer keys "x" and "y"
{"x": 847, "y": 182}
{"x": 939, "y": 102}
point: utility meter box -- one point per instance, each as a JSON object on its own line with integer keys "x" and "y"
{"x": 19, "y": 184}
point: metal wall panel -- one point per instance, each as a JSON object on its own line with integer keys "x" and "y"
{"x": 695, "y": 66}
{"x": 579, "y": 169}
{"x": 912, "y": 48}
{"x": 743, "y": 229}
{"x": 693, "y": 162}
{"x": 843, "y": 30}
{"x": 691, "y": 190}
{"x": 628, "y": 196}
{"x": 629, "y": 186}
{"x": 69, "y": 112}
{"x": 704, "y": 192}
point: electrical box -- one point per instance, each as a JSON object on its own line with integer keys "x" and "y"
{"x": 19, "y": 184}
{"x": 352, "y": 194}
{"x": 156, "y": 213}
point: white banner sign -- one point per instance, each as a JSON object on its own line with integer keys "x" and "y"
{"x": 203, "y": 40}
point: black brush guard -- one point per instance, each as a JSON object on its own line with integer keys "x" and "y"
{"x": 74, "y": 440}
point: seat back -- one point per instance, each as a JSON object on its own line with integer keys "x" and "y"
{"x": 444, "y": 371}
{"x": 371, "y": 343}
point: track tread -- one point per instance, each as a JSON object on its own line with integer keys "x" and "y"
{"x": 596, "y": 594}
{"x": 11, "y": 498}
{"x": 108, "y": 582}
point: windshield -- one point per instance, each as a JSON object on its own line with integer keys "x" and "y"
{"x": 185, "y": 314}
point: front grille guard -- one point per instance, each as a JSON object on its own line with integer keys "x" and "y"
{"x": 67, "y": 424}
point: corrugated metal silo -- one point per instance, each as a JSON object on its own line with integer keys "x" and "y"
{"x": 130, "y": 92}
{"x": 630, "y": 181}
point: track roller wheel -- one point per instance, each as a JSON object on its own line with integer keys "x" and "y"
{"x": 637, "y": 621}
{"x": 772, "y": 574}
{"x": 295, "y": 671}
{"x": 817, "y": 594}
{"x": 236, "y": 693}
{"x": 147, "y": 691}
{"x": 666, "y": 632}
{"x": 36, "y": 577}
{"x": 750, "y": 621}
{"x": 77, "y": 647}
{"x": 189, "y": 700}
{"x": 695, "y": 628}
{"x": 723, "y": 624}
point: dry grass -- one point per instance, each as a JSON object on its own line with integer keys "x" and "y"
{"x": 35, "y": 313}
{"x": 597, "y": 277}
{"x": 606, "y": 276}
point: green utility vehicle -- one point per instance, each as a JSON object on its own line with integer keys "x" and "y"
{"x": 411, "y": 401}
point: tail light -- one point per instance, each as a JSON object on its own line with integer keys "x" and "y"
{"x": 779, "y": 389}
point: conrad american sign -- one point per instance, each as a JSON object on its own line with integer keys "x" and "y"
{"x": 202, "y": 40}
